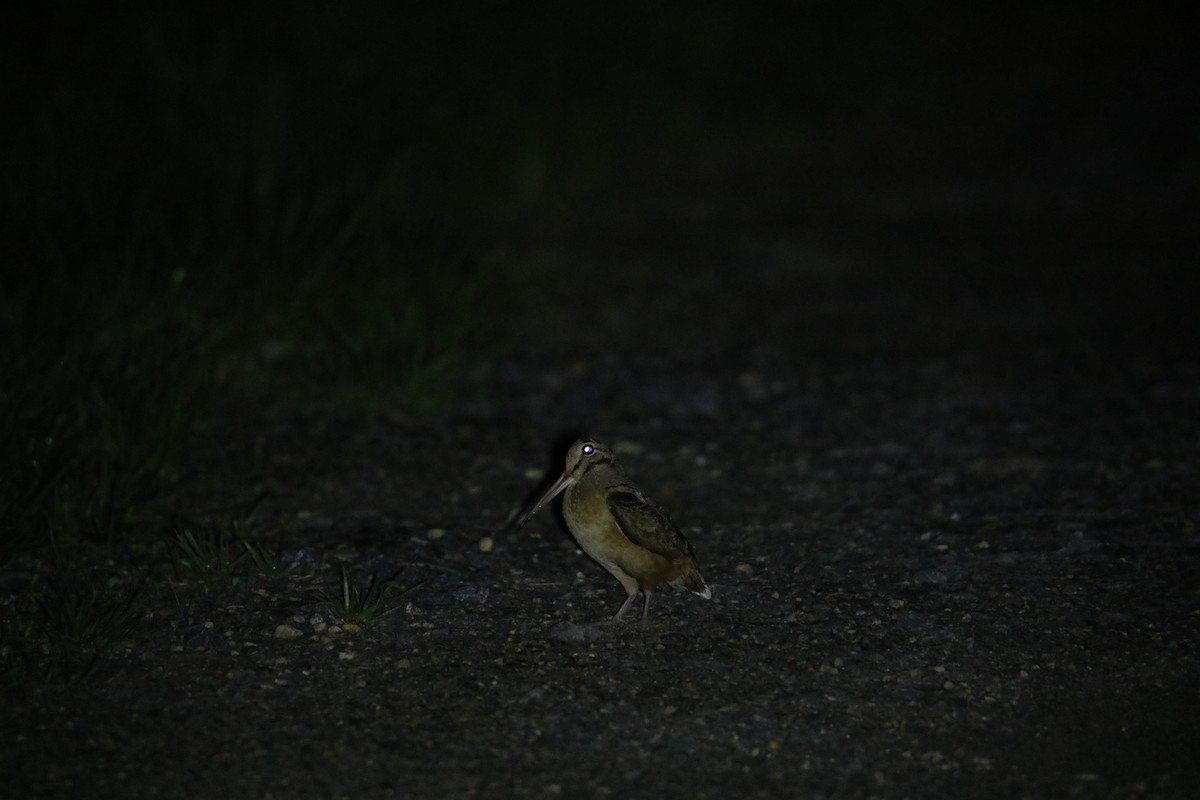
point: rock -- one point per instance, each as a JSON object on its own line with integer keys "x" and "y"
{"x": 570, "y": 632}
{"x": 287, "y": 632}
{"x": 472, "y": 594}
{"x": 929, "y": 577}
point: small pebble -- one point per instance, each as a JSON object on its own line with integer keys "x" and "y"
{"x": 753, "y": 385}
{"x": 929, "y": 577}
{"x": 472, "y": 594}
{"x": 303, "y": 557}
{"x": 486, "y": 544}
{"x": 570, "y": 632}
{"x": 287, "y": 632}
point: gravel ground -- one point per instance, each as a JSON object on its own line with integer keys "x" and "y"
{"x": 943, "y": 491}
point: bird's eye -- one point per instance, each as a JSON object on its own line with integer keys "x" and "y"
{"x": 588, "y": 449}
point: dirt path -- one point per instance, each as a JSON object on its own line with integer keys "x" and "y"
{"x": 948, "y": 519}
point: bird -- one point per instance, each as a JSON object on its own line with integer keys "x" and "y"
{"x": 620, "y": 528}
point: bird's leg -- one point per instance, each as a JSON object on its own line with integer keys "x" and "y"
{"x": 624, "y": 607}
{"x": 645, "y": 607}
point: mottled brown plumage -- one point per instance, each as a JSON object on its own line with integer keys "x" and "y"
{"x": 619, "y": 527}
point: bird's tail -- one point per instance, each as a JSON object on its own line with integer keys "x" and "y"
{"x": 691, "y": 580}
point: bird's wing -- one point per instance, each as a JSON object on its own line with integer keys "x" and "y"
{"x": 645, "y": 524}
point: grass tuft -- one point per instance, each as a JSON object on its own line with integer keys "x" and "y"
{"x": 265, "y": 562}
{"x": 210, "y": 557}
{"x": 85, "y": 620}
{"x": 220, "y": 556}
{"x": 63, "y": 633}
{"x": 364, "y": 606}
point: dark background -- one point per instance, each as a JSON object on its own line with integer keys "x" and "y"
{"x": 211, "y": 142}
{"x": 1065, "y": 111}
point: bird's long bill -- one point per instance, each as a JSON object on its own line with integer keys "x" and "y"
{"x": 560, "y": 484}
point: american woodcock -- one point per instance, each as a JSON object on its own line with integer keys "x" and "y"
{"x": 618, "y": 526}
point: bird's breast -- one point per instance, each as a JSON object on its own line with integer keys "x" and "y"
{"x": 591, "y": 523}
